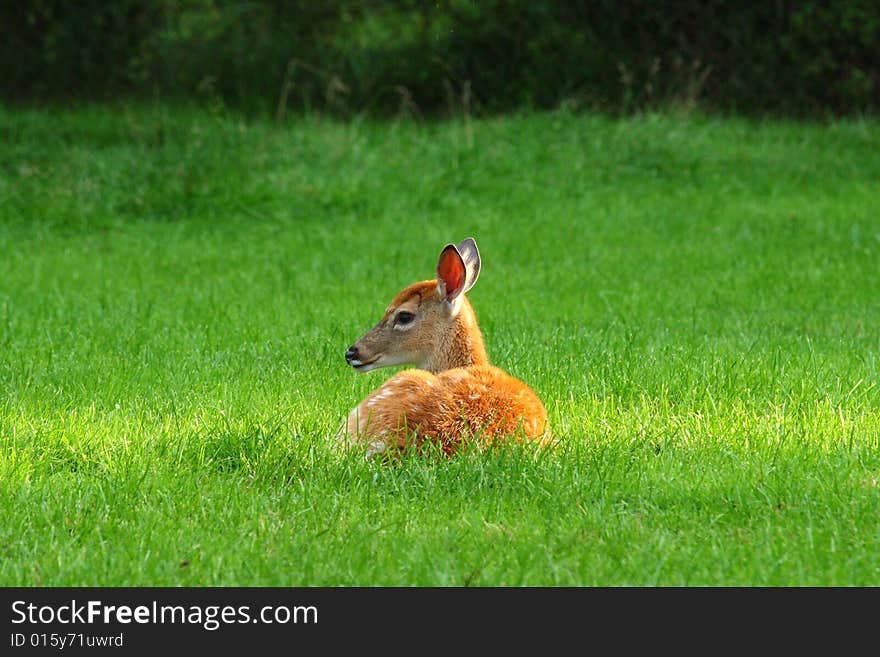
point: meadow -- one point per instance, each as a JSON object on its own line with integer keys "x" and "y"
{"x": 696, "y": 299}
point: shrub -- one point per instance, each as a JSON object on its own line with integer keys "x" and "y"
{"x": 364, "y": 55}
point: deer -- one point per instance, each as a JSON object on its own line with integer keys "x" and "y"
{"x": 454, "y": 395}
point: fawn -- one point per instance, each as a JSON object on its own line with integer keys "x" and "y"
{"x": 455, "y": 395}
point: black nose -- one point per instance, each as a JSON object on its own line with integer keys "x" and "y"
{"x": 351, "y": 355}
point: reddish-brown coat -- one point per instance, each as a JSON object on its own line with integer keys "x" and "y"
{"x": 456, "y": 395}
{"x": 480, "y": 402}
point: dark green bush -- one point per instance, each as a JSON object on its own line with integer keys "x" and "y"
{"x": 429, "y": 57}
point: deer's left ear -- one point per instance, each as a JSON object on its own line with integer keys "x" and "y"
{"x": 451, "y": 274}
{"x": 458, "y": 269}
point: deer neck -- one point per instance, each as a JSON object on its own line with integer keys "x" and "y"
{"x": 460, "y": 346}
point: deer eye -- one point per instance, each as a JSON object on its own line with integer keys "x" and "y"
{"x": 404, "y": 318}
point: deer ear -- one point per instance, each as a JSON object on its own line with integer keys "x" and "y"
{"x": 470, "y": 255}
{"x": 451, "y": 274}
{"x": 458, "y": 269}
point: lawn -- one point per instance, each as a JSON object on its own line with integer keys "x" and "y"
{"x": 695, "y": 299}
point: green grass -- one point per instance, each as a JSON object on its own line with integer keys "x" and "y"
{"x": 697, "y": 301}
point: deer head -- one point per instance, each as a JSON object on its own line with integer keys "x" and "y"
{"x": 429, "y": 324}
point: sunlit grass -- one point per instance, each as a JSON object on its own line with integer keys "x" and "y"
{"x": 696, "y": 300}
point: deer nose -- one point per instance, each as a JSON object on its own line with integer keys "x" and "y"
{"x": 351, "y": 356}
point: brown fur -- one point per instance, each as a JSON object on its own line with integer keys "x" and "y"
{"x": 479, "y": 402}
{"x": 455, "y": 395}
{"x": 459, "y": 345}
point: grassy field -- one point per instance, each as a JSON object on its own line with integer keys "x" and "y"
{"x": 697, "y": 301}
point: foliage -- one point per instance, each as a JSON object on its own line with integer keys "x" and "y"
{"x": 351, "y": 56}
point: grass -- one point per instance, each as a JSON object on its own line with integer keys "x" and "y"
{"x": 695, "y": 299}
